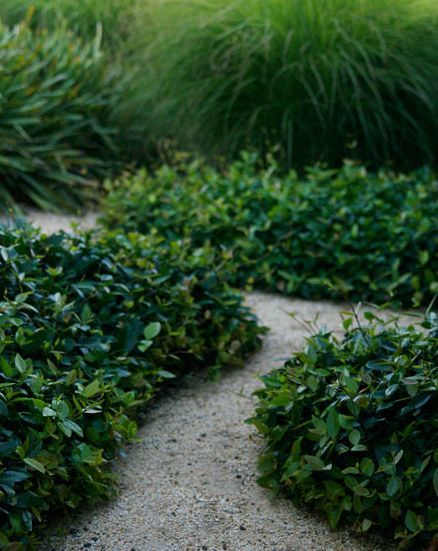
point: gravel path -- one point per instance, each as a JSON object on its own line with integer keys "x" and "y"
{"x": 188, "y": 484}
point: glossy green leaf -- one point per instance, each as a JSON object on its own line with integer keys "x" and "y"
{"x": 92, "y": 389}
{"x": 35, "y": 464}
{"x": 411, "y": 521}
{"x": 152, "y": 330}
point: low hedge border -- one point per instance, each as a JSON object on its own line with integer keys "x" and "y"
{"x": 351, "y": 425}
{"x": 90, "y": 327}
{"x": 343, "y": 234}
{"x": 351, "y": 428}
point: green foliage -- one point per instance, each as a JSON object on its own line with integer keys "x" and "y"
{"x": 369, "y": 236}
{"x": 90, "y": 326}
{"x": 351, "y": 428}
{"x": 84, "y": 17}
{"x": 117, "y": 26}
{"x": 327, "y": 79}
{"x": 55, "y": 135}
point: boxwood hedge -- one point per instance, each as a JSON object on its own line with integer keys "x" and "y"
{"x": 351, "y": 428}
{"x": 343, "y": 233}
{"x": 90, "y": 326}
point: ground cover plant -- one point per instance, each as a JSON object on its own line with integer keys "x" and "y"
{"x": 351, "y": 428}
{"x": 344, "y": 233}
{"x": 324, "y": 79}
{"x": 90, "y": 326}
{"x": 55, "y": 133}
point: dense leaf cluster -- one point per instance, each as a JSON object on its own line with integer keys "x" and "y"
{"x": 90, "y": 325}
{"x": 55, "y": 134}
{"x": 352, "y": 428}
{"x": 334, "y": 233}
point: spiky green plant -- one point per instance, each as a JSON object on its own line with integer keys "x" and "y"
{"x": 84, "y": 17}
{"x": 116, "y": 27}
{"x": 55, "y": 104}
{"x": 324, "y": 78}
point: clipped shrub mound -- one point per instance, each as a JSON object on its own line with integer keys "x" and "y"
{"x": 326, "y": 79}
{"x": 351, "y": 429}
{"x": 55, "y": 135}
{"x": 368, "y": 236}
{"x": 90, "y": 326}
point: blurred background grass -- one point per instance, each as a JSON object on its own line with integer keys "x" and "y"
{"x": 324, "y": 79}
{"x": 319, "y": 80}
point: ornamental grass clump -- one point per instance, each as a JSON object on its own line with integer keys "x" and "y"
{"x": 119, "y": 32}
{"x": 351, "y": 429}
{"x": 91, "y": 325}
{"x": 84, "y": 17}
{"x": 55, "y": 105}
{"x": 325, "y": 79}
{"x": 344, "y": 233}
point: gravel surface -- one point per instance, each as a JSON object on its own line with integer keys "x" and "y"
{"x": 189, "y": 483}
{"x": 54, "y": 222}
{"x": 50, "y": 222}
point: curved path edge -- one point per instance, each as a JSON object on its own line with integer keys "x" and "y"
{"x": 189, "y": 483}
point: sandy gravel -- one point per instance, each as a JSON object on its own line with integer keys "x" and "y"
{"x": 188, "y": 484}
{"x": 50, "y": 222}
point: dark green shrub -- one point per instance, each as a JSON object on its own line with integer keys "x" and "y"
{"x": 370, "y": 236}
{"x": 351, "y": 429}
{"x": 326, "y": 79}
{"x": 90, "y": 326}
{"x": 55, "y": 99}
